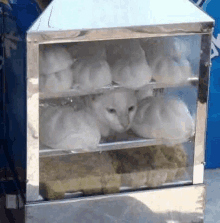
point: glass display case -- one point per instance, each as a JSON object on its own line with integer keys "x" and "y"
{"x": 116, "y": 108}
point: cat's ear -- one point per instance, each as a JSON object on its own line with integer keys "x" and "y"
{"x": 94, "y": 97}
{"x": 136, "y": 92}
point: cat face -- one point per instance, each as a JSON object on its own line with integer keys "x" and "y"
{"x": 116, "y": 109}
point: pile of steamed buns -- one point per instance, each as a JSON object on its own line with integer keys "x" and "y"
{"x": 128, "y": 63}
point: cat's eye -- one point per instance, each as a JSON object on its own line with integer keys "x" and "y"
{"x": 131, "y": 108}
{"x": 111, "y": 110}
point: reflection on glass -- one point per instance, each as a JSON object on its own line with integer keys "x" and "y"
{"x": 117, "y": 115}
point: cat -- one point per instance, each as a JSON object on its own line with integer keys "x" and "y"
{"x": 62, "y": 127}
{"x": 114, "y": 111}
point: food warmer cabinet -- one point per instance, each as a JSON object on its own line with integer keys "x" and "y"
{"x": 117, "y": 96}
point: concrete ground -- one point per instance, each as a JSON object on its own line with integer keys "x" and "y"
{"x": 212, "y": 211}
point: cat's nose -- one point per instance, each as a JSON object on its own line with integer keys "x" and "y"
{"x": 124, "y": 121}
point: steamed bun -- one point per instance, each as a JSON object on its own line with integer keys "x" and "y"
{"x": 163, "y": 118}
{"x": 66, "y": 129}
{"x": 55, "y": 69}
{"x": 128, "y": 63}
{"x": 91, "y": 68}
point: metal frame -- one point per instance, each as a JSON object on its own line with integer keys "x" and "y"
{"x": 75, "y": 92}
{"x": 35, "y": 39}
{"x": 202, "y": 106}
{"x": 32, "y": 187}
{"x": 177, "y": 204}
{"x": 119, "y": 33}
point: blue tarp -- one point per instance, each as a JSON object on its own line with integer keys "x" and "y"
{"x": 15, "y": 19}
{"x": 213, "y": 133}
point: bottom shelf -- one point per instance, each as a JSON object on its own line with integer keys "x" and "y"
{"x": 113, "y": 171}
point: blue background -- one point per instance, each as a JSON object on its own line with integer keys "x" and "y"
{"x": 212, "y": 7}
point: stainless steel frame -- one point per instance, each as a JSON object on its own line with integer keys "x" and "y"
{"x": 200, "y": 138}
{"x": 119, "y": 33}
{"x": 32, "y": 187}
{"x": 177, "y": 204}
{"x": 35, "y": 39}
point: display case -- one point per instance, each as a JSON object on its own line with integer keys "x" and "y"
{"x": 116, "y": 109}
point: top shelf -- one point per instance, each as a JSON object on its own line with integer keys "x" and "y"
{"x": 78, "y": 92}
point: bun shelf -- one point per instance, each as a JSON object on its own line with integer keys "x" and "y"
{"x": 77, "y": 92}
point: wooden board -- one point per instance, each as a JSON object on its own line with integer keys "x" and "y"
{"x": 176, "y": 205}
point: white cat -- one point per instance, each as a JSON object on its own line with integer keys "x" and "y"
{"x": 65, "y": 128}
{"x": 115, "y": 111}
{"x": 144, "y": 92}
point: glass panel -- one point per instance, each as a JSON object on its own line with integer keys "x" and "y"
{"x": 117, "y": 115}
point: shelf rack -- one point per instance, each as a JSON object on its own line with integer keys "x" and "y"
{"x": 77, "y": 92}
{"x": 116, "y": 145}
